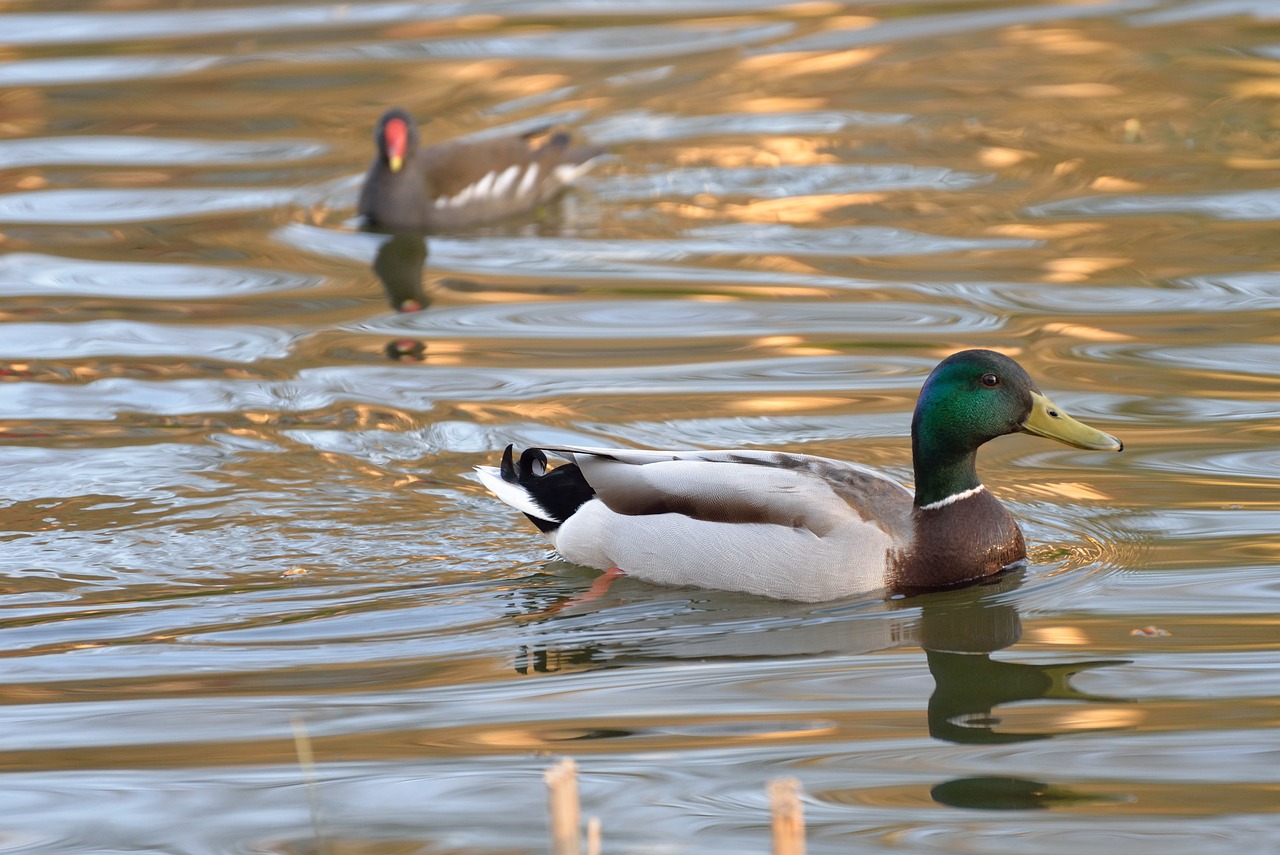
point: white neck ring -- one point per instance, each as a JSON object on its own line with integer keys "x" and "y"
{"x": 953, "y": 498}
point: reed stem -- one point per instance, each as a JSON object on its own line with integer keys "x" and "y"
{"x": 307, "y": 765}
{"x": 788, "y": 816}
{"x": 566, "y": 815}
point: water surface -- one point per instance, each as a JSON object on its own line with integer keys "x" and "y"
{"x": 237, "y": 498}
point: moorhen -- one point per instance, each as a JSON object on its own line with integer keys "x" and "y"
{"x": 462, "y": 183}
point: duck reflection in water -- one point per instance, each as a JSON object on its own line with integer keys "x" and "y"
{"x": 400, "y": 265}
{"x": 958, "y": 630}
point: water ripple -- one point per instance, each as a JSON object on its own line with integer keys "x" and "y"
{"x": 420, "y": 387}
{"x": 645, "y": 125}
{"x": 1075, "y": 544}
{"x": 1197, "y": 523}
{"x": 133, "y": 339}
{"x": 99, "y": 69}
{"x": 460, "y": 437}
{"x": 681, "y": 319}
{"x": 1254, "y": 358}
{"x": 784, "y": 181}
{"x": 1250, "y": 205}
{"x": 789, "y": 432}
{"x": 603, "y": 44}
{"x": 1248, "y": 464}
{"x": 1231, "y": 292}
{"x": 132, "y": 206}
{"x": 926, "y": 26}
{"x": 64, "y": 27}
{"x": 25, "y": 274}
{"x": 380, "y": 447}
{"x": 1180, "y": 834}
{"x": 1262, "y": 10}
{"x": 142, "y": 471}
{"x": 90, "y": 28}
{"x": 857, "y": 241}
{"x": 645, "y": 260}
{"x": 148, "y": 151}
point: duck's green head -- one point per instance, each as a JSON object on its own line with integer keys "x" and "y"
{"x": 977, "y": 395}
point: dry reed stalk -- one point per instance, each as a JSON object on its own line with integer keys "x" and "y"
{"x": 562, "y": 800}
{"x": 788, "y": 817}
{"x": 593, "y": 836}
{"x": 307, "y": 765}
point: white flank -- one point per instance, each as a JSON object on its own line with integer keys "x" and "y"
{"x": 953, "y": 498}
{"x": 484, "y": 187}
{"x": 526, "y": 183}
{"x": 513, "y": 494}
{"x": 506, "y": 179}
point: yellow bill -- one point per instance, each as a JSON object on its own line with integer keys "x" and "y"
{"x": 1047, "y": 419}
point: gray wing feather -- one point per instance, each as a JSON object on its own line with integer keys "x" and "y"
{"x": 744, "y": 486}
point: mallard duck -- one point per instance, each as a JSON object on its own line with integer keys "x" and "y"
{"x": 461, "y": 183}
{"x": 795, "y": 526}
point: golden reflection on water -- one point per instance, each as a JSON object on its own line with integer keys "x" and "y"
{"x": 796, "y": 210}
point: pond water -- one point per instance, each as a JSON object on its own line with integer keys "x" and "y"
{"x": 238, "y": 503}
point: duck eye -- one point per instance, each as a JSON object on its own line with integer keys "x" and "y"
{"x": 990, "y": 380}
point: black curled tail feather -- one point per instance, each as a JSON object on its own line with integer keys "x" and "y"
{"x": 560, "y": 491}
{"x": 533, "y": 464}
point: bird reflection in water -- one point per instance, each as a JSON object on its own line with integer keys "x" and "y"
{"x": 994, "y": 792}
{"x": 400, "y": 265}
{"x": 958, "y": 630}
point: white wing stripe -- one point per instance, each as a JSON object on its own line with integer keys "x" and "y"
{"x": 506, "y": 179}
{"x": 484, "y": 187}
{"x": 528, "y": 181}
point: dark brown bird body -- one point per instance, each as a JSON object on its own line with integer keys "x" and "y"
{"x": 458, "y": 184}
